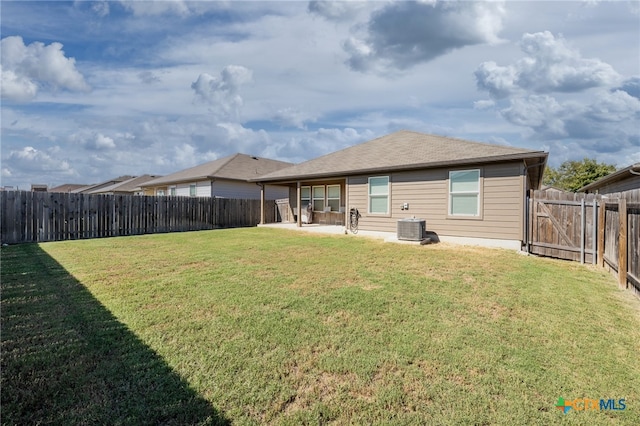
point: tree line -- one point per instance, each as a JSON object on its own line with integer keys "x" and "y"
{"x": 573, "y": 175}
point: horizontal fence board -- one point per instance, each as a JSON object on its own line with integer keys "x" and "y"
{"x": 47, "y": 216}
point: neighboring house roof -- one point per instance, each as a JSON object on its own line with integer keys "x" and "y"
{"x": 235, "y": 167}
{"x": 37, "y": 187}
{"x": 627, "y": 172}
{"x": 129, "y": 185}
{"x": 67, "y": 187}
{"x": 89, "y": 188}
{"x": 406, "y": 150}
{"x": 551, "y": 188}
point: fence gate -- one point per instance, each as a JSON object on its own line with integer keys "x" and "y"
{"x": 563, "y": 225}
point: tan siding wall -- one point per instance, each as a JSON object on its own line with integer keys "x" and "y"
{"x": 426, "y": 192}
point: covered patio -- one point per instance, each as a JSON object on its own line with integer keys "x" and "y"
{"x": 316, "y": 202}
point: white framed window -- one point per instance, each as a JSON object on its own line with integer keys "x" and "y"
{"x": 172, "y": 191}
{"x": 193, "y": 190}
{"x": 318, "y": 198}
{"x": 464, "y": 193}
{"x": 379, "y": 195}
{"x": 333, "y": 197}
{"x": 160, "y": 192}
{"x": 305, "y": 196}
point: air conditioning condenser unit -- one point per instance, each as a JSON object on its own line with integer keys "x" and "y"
{"x": 412, "y": 229}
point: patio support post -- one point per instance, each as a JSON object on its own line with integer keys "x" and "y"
{"x": 298, "y": 202}
{"x": 346, "y": 203}
{"x": 262, "y": 186}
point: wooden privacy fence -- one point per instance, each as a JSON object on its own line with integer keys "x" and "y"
{"x": 47, "y": 216}
{"x": 591, "y": 228}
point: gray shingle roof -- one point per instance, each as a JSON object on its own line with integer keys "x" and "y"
{"x": 128, "y": 185}
{"x": 403, "y": 150}
{"x": 67, "y": 187}
{"x": 89, "y": 188}
{"x": 235, "y": 167}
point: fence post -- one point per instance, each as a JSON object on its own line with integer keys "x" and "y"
{"x": 594, "y": 237}
{"x": 622, "y": 241}
{"x": 582, "y": 230}
{"x": 601, "y": 231}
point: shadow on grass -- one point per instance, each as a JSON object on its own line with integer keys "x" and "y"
{"x": 67, "y": 360}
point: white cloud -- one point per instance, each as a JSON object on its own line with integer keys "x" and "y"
{"x": 307, "y": 145}
{"x": 404, "y": 34}
{"x": 101, "y": 8}
{"x": 26, "y": 69}
{"x": 32, "y": 159}
{"x": 16, "y": 87}
{"x": 187, "y": 155}
{"x": 614, "y": 116}
{"x": 222, "y": 92}
{"x": 335, "y": 10}
{"x": 631, "y": 86}
{"x": 541, "y": 113}
{"x": 102, "y": 142}
{"x": 157, "y": 7}
{"x": 484, "y": 104}
{"x": 550, "y": 65}
{"x": 93, "y": 141}
{"x": 557, "y": 95}
{"x": 292, "y": 117}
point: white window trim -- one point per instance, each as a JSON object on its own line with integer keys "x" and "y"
{"x": 304, "y": 206}
{"x": 387, "y": 212}
{"x": 173, "y": 191}
{"x": 313, "y": 197}
{"x": 339, "y": 196}
{"x": 195, "y": 189}
{"x": 478, "y": 214}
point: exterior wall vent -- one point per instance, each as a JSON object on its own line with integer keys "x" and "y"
{"x": 412, "y": 229}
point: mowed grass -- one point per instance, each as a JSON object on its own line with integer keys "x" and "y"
{"x": 255, "y": 326}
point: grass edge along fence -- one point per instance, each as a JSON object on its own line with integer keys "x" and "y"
{"x": 49, "y": 216}
{"x": 602, "y": 229}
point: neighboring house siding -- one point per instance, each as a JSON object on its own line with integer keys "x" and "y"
{"x": 203, "y": 189}
{"x": 632, "y": 182}
{"x": 236, "y": 189}
{"x": 275, "y": 192}
{"x": 426, "y": 191}
{"x": 247, "y": 190}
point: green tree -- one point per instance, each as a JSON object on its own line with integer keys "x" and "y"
{"x": 573, "y": 175}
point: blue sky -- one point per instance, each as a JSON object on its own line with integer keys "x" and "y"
{"x": 94, "y": 90}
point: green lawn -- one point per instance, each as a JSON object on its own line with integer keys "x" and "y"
{"x": 254, "y": 326}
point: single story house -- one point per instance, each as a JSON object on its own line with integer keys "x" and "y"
{"x": 127, "y": 187}
{"x": 619, "y": 181}
{"x": 97, "y": 186}
{"x": 35, "y": 187}
{"x": 67, "y": 187}
{"x": 227, "y": 177}
{"x": 466, "y": 191}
